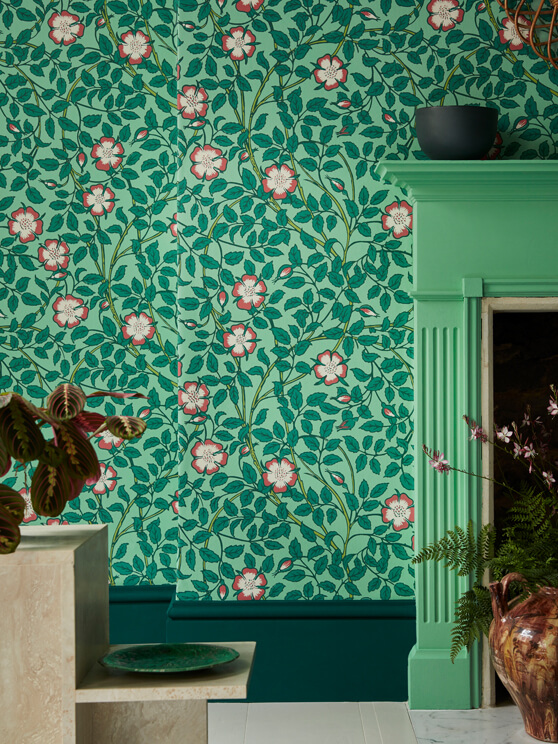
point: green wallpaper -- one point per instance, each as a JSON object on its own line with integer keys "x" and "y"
{"x": 244, "y": 214}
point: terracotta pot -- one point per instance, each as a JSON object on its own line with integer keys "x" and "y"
{"x": 524, "y": 644}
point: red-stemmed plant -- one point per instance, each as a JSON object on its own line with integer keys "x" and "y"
{"x": 65, "y": 462}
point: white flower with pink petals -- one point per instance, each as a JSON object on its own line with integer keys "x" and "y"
{"x": 251, "y": 292}
{"x": 330, "y": 367}
{"x": 208, "y": 162}
{"x": 191, "y": 102}
{"x": 399, "y": 510}
{"x": 69, "y": 311}
{"x": 279, "y": 475}
{"x": 553, "y": 407}
{"x": 239, "y": 43}
{"x": 208, "y": 457}
{"x": 107, "y": 440}
{"x": 280, "y": 180}
{"x": 106, "y": 480}
{"x": 29, "y": 513}
{"x": 399, "y": 218}
{"x": 193, "y": 398}
{"x": 549, "y": 479}
{"x": 250, "y": 585}
{"x": 504, "y": 434}
{"x": 26, "y": 224}
{"x": 135, "y": 46}
{"x": 240, "y": 340}
{"x": 54, "y": 255}
{"x": 509, "y": 35}
{"x": 99, "y": 200}
{"x": 444, "y": 14}
{"x": 330, "y": 72}
{"x": 108, "y": 153}
{"x": 245, "y": 6}
{"x": 138, "y": 327}
{"x": 65, "y": 28}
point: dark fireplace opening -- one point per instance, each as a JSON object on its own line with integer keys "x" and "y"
{"x": 525, "y": 364}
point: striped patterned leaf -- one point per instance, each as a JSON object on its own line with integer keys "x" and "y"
{"x": 50, "y": 489}
{"x": 126, "y": 427}
{"x": 22, "y": 437}
{"x": 89, "y": 421}
{"x": 82, "y": 460}
{"x": 52, "y": 455}
{"x": 9, "y": 532}
{"x": 13, "y": 502}
{"x": 66, "y": 402}
{"x": 5, "y": 459}
{"x": 104, "y": 393}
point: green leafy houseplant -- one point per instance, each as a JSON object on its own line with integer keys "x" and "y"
{"x": 65, "y": 462}
{"x": 527, "y": 540}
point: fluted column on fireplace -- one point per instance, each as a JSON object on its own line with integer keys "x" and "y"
{"x": 477, "y": 233}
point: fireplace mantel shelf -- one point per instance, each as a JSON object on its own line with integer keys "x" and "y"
{"x": 473, "y": 180}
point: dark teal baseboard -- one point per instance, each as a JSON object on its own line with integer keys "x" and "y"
{"x": 306, "y": 651}
{"x": 138, "y": 614}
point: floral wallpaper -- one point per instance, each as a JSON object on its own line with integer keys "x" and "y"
{"x": 220, "y": 242}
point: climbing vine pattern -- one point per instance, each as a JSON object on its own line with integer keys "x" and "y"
{"x": 237, "y": 206}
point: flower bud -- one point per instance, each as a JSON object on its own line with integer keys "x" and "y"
{"x": 190, "y": 324}
{"x": 144, "y": 413}
{"x": 222, "y": 298}
{"x": 245, "y": 450}
{"x": 388, "y": 412}
{"x": 368, "y": 15}
{"x": 521, "y": 123}
{"x": 197, "y": 124}
{"x": 285, "y": 271}
{"x": 343, "y": 398}
{"x": 198, "y": 419}
{"x": 100, "y": 22}
{"x": 389, "y": 118}
{"x": 345, "y": 103}
{"x": 13, "y": 128}
{"x": 174, "y": 505}
{"x": 285, "y": 565}
{"x": 368, "y": 312}
{"x": 222, "y": 591}
{"x": 81, "y": 159}
{"x": 244, "y": 155}
{"x": 337, "y": 478}
{"x": 142, "y": 134}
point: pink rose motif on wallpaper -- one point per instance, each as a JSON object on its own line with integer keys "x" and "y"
{"x": 208, "y": 162}
{"x": 174, "y": 225}
{"x": 107, "y": 440}
{"x": 29, "y": 513}
{"x": 193, "y": 398}
{"x": 250, "y": 585}
{"x": 280, "y": 180}
{"x": 69, "y": 311}
{"x": 330, "y": 72}
{"x": 399, "y": 218}
{"x": 105, "y": 482}
{"x": 330, "y": 367}
{"x": 25, "y": 222}
{"x": 245, "y": 6}
{"x": 108, "y": 153}
{"x": 138, "y": 327}
{"x": 54, "y": 255}
{"x": 239, "y": 43}
{"x": 99, "y": 200}
{"x": 509, "y": 35}
{"x": 208, "y": 457}
{"x": 135, "y": 46}
{"x": 57, "y": 521}
{"x": 191, "y": 102}
{"x": 240, "y": 340}
{"x": 444, "y": 14}
{"x": 279, "y": 476}
{"x": 399, "y": 510}
{"x": 251, "y": 292}
{"x": 66, "y": 28}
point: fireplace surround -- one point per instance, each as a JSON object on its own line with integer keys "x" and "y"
{"x": 484, "y": 238}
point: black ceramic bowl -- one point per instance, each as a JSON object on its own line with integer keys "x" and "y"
{"x": 456, "y": 132}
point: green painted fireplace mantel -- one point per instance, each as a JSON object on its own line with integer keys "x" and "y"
{"x": 481, "y": 229}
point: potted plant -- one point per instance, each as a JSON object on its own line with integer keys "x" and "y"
{"x": 518, "y": 611}
{"x": 65, "y": 462}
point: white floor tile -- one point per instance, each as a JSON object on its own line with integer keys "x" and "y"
{"x": 226, "y": 722}
{"x": 304, "y": 723}
{"x": 387, "y": 723}
{"x": 501, "y": 725}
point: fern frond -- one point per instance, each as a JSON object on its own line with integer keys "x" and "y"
{"x": 473, "y": 615}
{"x": 462, "y": 550}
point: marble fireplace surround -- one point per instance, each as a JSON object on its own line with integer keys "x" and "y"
{"x": 485, "y": 240}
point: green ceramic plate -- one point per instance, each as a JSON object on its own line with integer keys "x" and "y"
{"x": 168, "y": 657}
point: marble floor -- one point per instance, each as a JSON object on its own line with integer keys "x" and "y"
{"x": 361, "y": 723}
